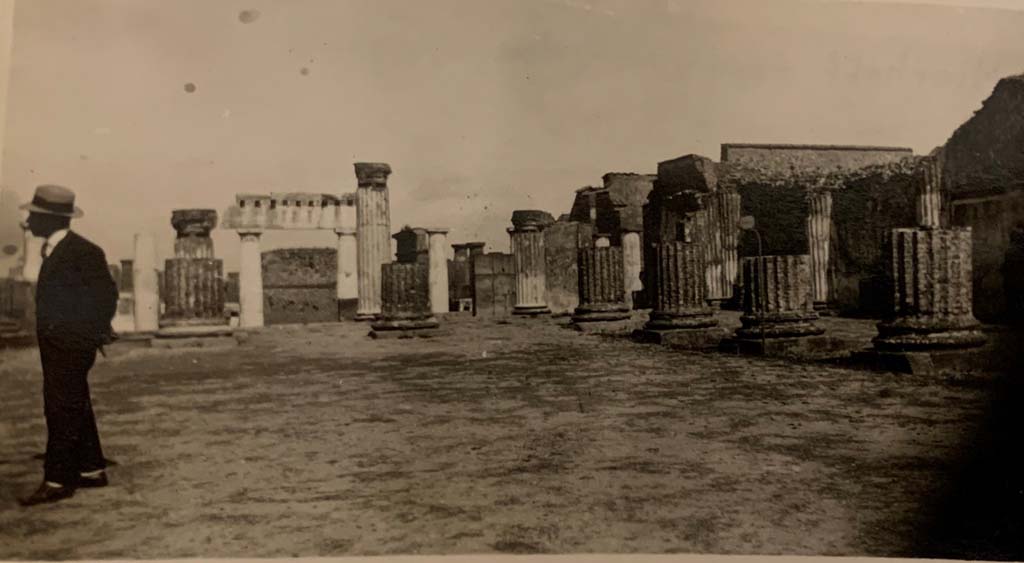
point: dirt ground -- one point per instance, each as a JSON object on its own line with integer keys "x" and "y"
{"x": 516, "y": 437}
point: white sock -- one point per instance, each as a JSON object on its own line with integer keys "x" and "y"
{"x": 92, "y": 474}
{"x": 54, "y": 485}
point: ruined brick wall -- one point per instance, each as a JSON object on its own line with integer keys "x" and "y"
{"x": 494, "y": 284}
{"x": 864, "y": 212}
{"x": 983, "y": 156}
{"x": 299, "y": 285}
{"x": 780, "y": 215}
{"x": 562, "y": 240}
{"x": 784, "y": 159}
{"x": 992, "y": 219}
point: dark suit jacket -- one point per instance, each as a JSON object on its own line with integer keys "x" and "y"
{"x": 76, "y": 298}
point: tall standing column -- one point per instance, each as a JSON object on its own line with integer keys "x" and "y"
{"x": 929, "y": 194}
{"x": 632, "y": 265}
{"x": 145, "y": 285}
{"x": 437, "y": 243}
{"x": 527, "y": 238}
{"x": 729, "y": 221}
{"x": 819, "y": 239}
{"x": 250, "y": 280}
{"x": 373, "y": 233}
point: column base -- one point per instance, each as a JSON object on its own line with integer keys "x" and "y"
{"x": 924, "y": 333}
{"x": 601, "y": 312}
{"x": 700, "y": 339}
{"x": 779, "y": 325}
{"x": 531, "y": 310}
{"x": 362, "y": 317}
{"x": 697, "y": 318}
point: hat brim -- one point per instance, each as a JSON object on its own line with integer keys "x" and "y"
{"x": 33, "y": 208}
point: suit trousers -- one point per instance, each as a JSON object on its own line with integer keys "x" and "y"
{"x": 72, "y": 439}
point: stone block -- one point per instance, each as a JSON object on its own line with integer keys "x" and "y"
{"x": 562, "y": 241}
{"x": 494, "y": 284}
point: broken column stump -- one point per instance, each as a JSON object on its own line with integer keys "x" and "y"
{"x": 194, "y": 286}
{"x": 778, "y": 308}
{"x": 405, "y": 302}
{"x": 681, "y": 316}
{"x": 932, "y": 327}
{"x": 603, "y": 306}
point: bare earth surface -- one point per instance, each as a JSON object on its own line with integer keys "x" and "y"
{"x": 521, "y": 437}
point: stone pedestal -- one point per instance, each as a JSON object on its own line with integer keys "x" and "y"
{"x": 250, "y": 280}
{"x": 930, "y": 271}
{"x": 602, "y": 294}
{"x": 405, "y": 305}
{"x": 681, "y": 315}
{"x": 373, "y": 234}
{"x": 145, "y": 285}
{"x": 438, "y": 275}
{"x": 527, "y": 235}
{"x": 819, "y": 239}
{"x": 777, "y": 298}
{"x": 193, "y": 279}
{"x": 347, "y": 281}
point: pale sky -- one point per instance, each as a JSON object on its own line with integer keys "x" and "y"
{"x": 481, "y": 107}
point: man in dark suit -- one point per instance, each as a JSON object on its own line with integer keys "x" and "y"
{"x": 76, "y": 299}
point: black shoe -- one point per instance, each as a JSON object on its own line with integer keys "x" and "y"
{"x": 93, "y": 482}
{"x": 47, "y": 493}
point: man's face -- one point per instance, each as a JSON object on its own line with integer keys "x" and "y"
{"x": 39, "y": 224}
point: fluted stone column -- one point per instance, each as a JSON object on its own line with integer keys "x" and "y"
{"x": 602, "y": 293}
{"x": 250, "y": 280}
{"x": 932, "y": 296}
{"x": 527, "y": 238}
{"x": 929, "y": 194}
{"x": 193, "y": 279}
{"x": 145, "y": 285}
{"x": 819, "y": 239}
{"x": 405, "y": 300}
{"x": 373, "y": 233}
{"x": 632, "y": 265}
{"x": 438, "y": 276}
{"x": 681, "y": 288}
{"x": 777, "y": 298}
{"x": 728, "y": 207}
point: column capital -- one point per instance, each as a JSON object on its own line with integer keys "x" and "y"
{"x": 193, "y": 222}
{"x": 345, "y": 231}
{"x": 372, "y": 174}
{"x": 530, "y": 220}
{"x": 437, "y": 230}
